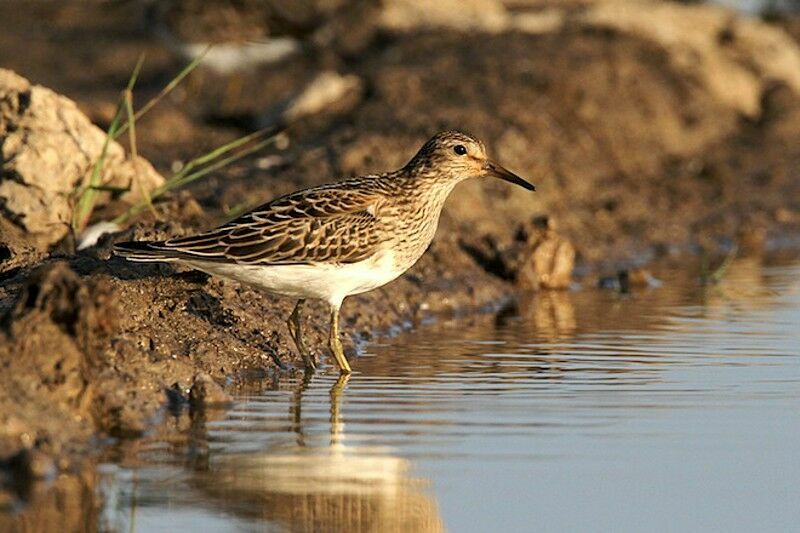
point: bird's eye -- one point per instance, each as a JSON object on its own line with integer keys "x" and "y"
{"x": 460, "y": 149}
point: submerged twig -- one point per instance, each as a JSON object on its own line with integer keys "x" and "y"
{"x": 715, "y": 276}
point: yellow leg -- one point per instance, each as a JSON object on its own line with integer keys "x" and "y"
{"x": 297, "y": 336}
{"x": 336, "y": 344}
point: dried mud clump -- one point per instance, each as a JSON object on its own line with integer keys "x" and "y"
{"x": 48, "y": 148}
{"x": 548, "y": 258}
{"x": 207, "y": 393}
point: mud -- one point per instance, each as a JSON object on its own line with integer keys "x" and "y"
{"x": 634, "y": 158}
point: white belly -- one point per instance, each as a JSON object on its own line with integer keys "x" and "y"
{"x": 331, "y": 283}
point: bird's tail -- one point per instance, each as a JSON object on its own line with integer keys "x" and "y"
{"x": 144, "y": 251}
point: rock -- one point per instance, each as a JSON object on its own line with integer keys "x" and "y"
{"x": 409, "y": 15}
{"x": 252, "y": 33}
{"x": 548, "y": 259}
{"x": 626, "y": 279}
{"x": 639, "y": 277}
{"x": 53, "y": 290}
{"x": 784, "y": 215}
{"x": 119, "y": 416}
{"x": 328, "y": 92}
{"x": 41, "y": 465}
{"x": 543, "y": 21}
{"x": 228, "y": 58}
{"x": 53, "y": 326}
{"x": 48, "y": 149}
{"x": 206, "y": 392}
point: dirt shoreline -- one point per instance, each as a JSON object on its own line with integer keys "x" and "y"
{"x": 635, "y": 160}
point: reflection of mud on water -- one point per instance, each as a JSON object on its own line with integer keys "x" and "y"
{"x": 743, "y": 285}
{"x": 551, "y": 312}
{"x": 66, "y": 504}
{"x": 341, "y": 488}
{"x": 558, "y": 325}
{"x": 309, "y": 482}
{"x": 333, "y": 487}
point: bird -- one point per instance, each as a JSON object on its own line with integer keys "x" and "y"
{"x": 332, "y": 241}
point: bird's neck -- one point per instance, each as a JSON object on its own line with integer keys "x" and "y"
{"x": 431, "y": 195}
{"x": 432, "y": 187}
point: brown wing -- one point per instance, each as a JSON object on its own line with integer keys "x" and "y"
{"x": 331, "y": 224}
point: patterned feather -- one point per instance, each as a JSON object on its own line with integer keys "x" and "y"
{"x": 339, "y": 223}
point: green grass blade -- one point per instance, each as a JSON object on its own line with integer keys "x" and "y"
{"x": 85, "y": 205}
{"x": 201, "y": 166}
{"x": 222, "y": 163}
{"x": 134, "y": 152}
{"x": 166, "y": 90}
{"x": 222, "y": 150}
{"x": 135, "y": 74}
{"x": 110, "y": 188}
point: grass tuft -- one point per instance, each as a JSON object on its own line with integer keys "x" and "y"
{"x": 86, "y": 198}
{"x": 195, "y": 169}
{"x": 205, "y": 164}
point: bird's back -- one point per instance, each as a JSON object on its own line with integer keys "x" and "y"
{"x": 340, "y": 223}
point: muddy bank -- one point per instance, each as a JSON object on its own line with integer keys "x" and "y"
{"x": 635, "y": 154}
{"x": 95, "y": 349}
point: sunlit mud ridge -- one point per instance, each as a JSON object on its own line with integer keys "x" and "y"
{"x": 648, "y": 132}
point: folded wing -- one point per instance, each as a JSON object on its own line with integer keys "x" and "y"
{"x": 327, "y": 225}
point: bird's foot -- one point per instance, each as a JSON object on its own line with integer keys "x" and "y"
{"x": 309, "y": 361}
{"x": 273, "y": 354}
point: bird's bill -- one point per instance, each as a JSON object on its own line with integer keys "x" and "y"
{"x": 497, "y": 171}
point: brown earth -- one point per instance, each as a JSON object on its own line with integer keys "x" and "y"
{"x": 634, "y": 155}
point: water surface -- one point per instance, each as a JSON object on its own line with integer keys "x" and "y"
{"x": 670, "y": 409}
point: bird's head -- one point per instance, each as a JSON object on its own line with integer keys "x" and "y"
{"x": 454, "y": 155}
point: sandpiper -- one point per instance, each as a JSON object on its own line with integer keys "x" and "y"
{"x": 332, "y": 241}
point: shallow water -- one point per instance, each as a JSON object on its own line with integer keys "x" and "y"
{"x": 673, "y": 408}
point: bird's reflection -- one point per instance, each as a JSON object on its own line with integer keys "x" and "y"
{"x": 304, "y": 485}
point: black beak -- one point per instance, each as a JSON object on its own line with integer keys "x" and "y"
{"x": 497, "y": 171}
